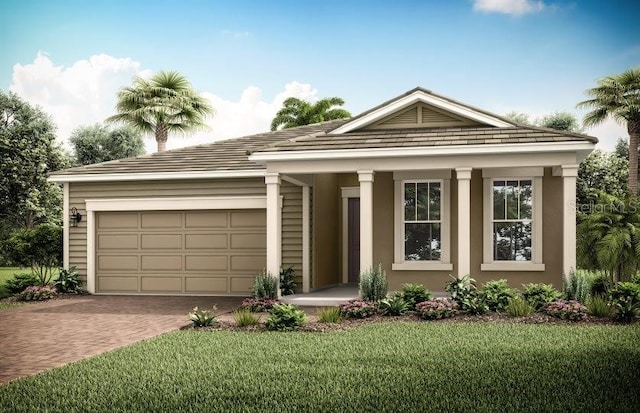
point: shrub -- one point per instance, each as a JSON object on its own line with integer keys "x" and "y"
{"x": 329, "y": 315}
{"x": 358, "y": 308}
{"x": 625, "y": 299}
{"x": 285, "y": 317}
{"x": 203, "y": 318}
{"x": 567, "y": 310}
{"x": 258, "y": 305}
{"x": 414, "y": 294}
{"x": 465, "y": 293}
{"x": 496, "y": 295}
{"x": 265, "y": 285}
{"x": 39, "y": 248}
{"x": 68, "y": 281}
{"x": 19, "y": 282}
{"x": 599, "y": 307}
{"x": 538, "y": 295}
{"x": 37, "y": 293}
{"x": 437, "y": 308}
{"x": 373, "y": 284}
{"x": 244, "y": 317}
{"x": 519, "y": 307}
{"x": 578, "y": 285}
{"x": 394, "y": 305}
{"x": 287, "y": 285}
{"x": 600, "y": 286}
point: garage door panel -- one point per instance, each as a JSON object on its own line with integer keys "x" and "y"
{"x": 161, "y": 262}
{"x": 206, "y": 263}
{"x": 206, "y": 241}
{"x": 207, "y": 285}
{"x": 118, "y": 262}
{"x": 161, "y": 284}
{"x": 118, "y": 241}
{"x": 207, "y": 219}
{"x": 248, "y": 219}
{"x": 161, "y": 220}
{"x": 161, "y": 241}
{"x": 249, "y": 241}
{"x": 251, "y": 263}
{"x": 117, "y": 220}
{"x": 240, "y": 285}
{"x": 118, "y": 284}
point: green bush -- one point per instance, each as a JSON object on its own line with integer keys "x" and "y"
{"x": 538, "y": 295}
{"x": 68, "y": 281}
{"x": 19, "y": 282}
{"x": 287, "y": 285}
{"x": 625, "y": 299}
{"x": 599, "y": 307}
{"x": 39, "y": 248}
{"x": 358, "y": 308}
{"x": 202, "y": 318}
{"x": 496, "y": 295}
{"x": 394, "y": 305}
{"x": 465, "y": 293}
{"x": 578, "y": 285}
{"x": 518, "y": 306}
{"x": 265, "y": 285}
{"x": 414, "y": 294}
{"x": 373, "y": 284}
{"x": 37, "y": 293}
{"x": 244, "y": 317}
{"x": 600, "y": 286}
{"x": 285, "y": 317}
{"x": 329, "y": 315}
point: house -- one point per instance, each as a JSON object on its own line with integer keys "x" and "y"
{"x": 422, "y": 184}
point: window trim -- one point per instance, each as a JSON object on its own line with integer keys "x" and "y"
{"x": 500, "y": 174}
{"x": 444, "y": 178}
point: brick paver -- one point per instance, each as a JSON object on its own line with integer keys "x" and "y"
{"x": 41, "y": 336}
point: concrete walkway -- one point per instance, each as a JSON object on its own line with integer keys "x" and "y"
{"x": 41, "y": 336}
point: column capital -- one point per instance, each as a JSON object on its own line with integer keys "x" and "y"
{"x": 365, "y": 176}
{"x": 272, "y": 178}
{"x": 463, "y": 173}
{"x": 566, "y": 170}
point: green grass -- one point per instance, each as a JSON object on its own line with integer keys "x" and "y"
{"x": 7, "y": 305}
{"x": 383, "y": 367}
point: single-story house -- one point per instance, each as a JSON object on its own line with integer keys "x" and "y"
{"x": 424, "y": 185}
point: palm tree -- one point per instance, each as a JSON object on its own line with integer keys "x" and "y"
{"x": 164, "y": 103}
{"x": 296, "y": 112}
{"x": 618, "y": 97}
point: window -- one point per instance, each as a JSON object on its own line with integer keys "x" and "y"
{"x": 422, "y": 221}
{"x": 512, "y": 218}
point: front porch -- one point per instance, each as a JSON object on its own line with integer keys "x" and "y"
{"x": 326, "y": 297}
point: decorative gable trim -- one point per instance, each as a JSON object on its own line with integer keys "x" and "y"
{"x": 420, "y": 96}
{"x": 420, "y": 115}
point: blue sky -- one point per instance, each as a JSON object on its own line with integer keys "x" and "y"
{"x": 535, "y": 56}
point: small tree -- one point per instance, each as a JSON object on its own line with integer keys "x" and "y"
{"x": 39, "y": 248}
{"x": 97, "y": 143}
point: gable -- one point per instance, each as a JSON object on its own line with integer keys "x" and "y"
{"x": 421, "y": 115}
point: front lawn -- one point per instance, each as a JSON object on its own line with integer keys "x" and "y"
{"x": 380, "y": 367}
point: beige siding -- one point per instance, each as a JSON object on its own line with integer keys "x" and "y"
{"x": 421, "y": 116}
{"x": 326, "y": 236}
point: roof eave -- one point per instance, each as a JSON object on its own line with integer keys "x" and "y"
{"x": 156, "y": 176}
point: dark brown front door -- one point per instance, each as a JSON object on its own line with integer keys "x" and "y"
{"x": 354, "y": 240}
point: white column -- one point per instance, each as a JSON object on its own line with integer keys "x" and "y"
{"x": 366, "y": 220}
{"x": 569, "y": 174}
{"x": 463, "y": 176}
{"x": 274, "y": 226}
{"x": 91, "y": 252}
{"x": 306, "y": 250}
{"x": 65, "y": 225}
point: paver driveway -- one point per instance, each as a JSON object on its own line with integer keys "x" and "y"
{"x": 41, "y": 336}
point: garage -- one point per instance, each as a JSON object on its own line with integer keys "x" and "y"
{"x": 179, "y": 252}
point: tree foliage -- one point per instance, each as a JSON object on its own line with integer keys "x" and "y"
{"x": 98, "y": 143}
{"x": 297, "y": 112}
{"x": 600, "y": 171}
{"x": 165, "y": 103}
{"x": 563, "y": 121}
{"x": 28, "y": 152}
{"x": 39, "y": 248}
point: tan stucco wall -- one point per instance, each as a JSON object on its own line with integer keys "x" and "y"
{"x": 326, "y": 234}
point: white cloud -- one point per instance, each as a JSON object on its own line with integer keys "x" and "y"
{"x": 85, "y": 93}
{"x": 512, "y": 7}
{"x": 608, "y": 133}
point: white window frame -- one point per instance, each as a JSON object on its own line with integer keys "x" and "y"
{"x": 444, "y": 178}
{"x": 535, "y": 175}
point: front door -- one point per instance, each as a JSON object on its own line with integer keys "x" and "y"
{"x": 354, "y": 240}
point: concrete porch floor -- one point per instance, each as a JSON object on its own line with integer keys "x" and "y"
{"x": 328, "y": 297}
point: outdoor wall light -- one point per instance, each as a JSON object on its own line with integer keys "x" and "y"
{"x": 74, "y": 217}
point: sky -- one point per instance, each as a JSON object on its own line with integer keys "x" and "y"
{"x": 532, "y": 56}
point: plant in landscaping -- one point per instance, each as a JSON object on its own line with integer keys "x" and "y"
{"x": 496, "y": 295}
{"x": 358, "y": 308}
{"x": 518, "y": 306}
{"x": 599, "y": 307}
{"x": 538, "y": 295}
{"x": 244, "y": 317}
{"x": 19, "y": 282}
{"x": 265, "y": 285}
{"x": 414, "y": 294}
{"x": 625, "y": 299}
{"x": 39, "y": 248}
{"x": 258, "y": 305}
{"x": 465, "y": 293}
{"x": 329, "y": 315}
{"x": 202, "y": 318}
{"x": 600, "y": 286}
{"x": 373, "y": 284}
{"x": 285, "y": 317}
{"x": 567, "y": 310}
{"x": 37, "y": 293}
{"x": 394, "y": 305}
{"x": 578, "y": 284}
{"x": 68, "y": 281}
{"x": 437, "y": 308}
{"x": 287, "y": 285}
